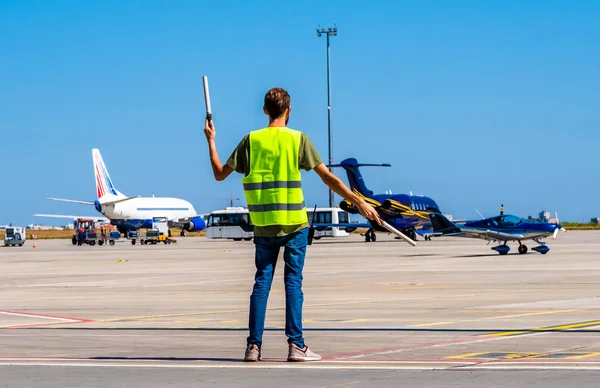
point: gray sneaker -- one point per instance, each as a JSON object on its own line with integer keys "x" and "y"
{"x": 297, "y": 354}
{"x": 252, "y": 353}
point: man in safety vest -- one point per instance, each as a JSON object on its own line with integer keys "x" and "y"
{"x": 271, "y": 159}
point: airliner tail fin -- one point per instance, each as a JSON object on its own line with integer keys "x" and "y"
{"x": 104, "y": 185}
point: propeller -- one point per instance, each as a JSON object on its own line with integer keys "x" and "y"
{"x": 558, "y": 227}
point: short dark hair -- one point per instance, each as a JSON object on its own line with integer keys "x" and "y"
{"x": 277, "y": 100}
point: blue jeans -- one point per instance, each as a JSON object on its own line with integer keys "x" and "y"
{"x": 267, "y": 250}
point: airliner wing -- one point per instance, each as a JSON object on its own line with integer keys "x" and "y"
{"x": 72, "y": 217}
{"x": 72, "y": 201}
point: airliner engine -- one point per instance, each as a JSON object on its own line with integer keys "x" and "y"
{"x": 195, "y": 224}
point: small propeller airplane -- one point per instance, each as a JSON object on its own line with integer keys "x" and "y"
{"x": 402, "y": 211}
{"x": 502, "y": 228}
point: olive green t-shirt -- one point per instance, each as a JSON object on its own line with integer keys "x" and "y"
{"x": 308, "y": 158}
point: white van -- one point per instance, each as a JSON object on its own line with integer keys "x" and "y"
{"x": 234, "y": 223}
{"x": 14, "y": 236}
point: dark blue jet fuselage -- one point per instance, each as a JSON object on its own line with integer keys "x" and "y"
{"x": 402, "y": 211}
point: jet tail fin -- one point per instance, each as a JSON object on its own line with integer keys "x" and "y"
{"x": 104, "y": 185}
{"x": 355, "y": 178}
{"x": 441, "y": 224}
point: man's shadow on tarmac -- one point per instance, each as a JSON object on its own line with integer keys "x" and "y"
{"x": 177, "y": 359}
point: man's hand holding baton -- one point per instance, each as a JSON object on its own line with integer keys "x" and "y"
{"x": 209, "y": 128}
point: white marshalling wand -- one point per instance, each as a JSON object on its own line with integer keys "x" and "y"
{"x": 398, "y": 233}
{"x": 207, "y": 98}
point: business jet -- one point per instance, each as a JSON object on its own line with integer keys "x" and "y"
{"x": 132, "y": 213}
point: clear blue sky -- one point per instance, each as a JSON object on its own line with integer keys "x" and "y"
{"x": 474, "y": 103}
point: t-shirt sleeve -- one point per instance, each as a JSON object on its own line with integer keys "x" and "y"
{"x": 238, "y": 161}
{"x": 309, "y": 157}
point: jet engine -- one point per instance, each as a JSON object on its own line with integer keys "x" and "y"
{"x": 195, "y": 224}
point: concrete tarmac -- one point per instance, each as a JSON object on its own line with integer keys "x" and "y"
{"x": 448, "y": 312}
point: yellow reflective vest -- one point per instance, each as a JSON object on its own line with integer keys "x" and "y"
{"x": 272, "y": 188}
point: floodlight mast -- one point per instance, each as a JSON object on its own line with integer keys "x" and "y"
{"x": 328, "y": 33}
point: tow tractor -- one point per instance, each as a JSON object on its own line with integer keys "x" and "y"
{"x": 87, "y": 231}
{"x": 158, "y": 233}
{"x": 14, "y": 236}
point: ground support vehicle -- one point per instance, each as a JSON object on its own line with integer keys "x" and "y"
{"x": 158, "y": 233}
{"x": 14, "y": 236}
{"x": 133, "y": 236}
{"x": 230, "y": 223}
{"x": 234, "y": 223}
{"x": 109, "y": 237}
{"x": 87, "y": 231}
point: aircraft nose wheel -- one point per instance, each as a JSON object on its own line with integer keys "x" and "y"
{"x": 370, "y": 236}
{"x": 522, "y": 249}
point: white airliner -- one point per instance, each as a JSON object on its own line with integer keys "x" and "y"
{"x": 134, "y": 212}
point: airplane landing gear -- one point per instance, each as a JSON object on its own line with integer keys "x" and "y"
{"x": 182, "y": 234}
{"x": 522, "y": 248}
{"x": 502, "y": 249}
{"x": 123, "y": 231}
{"x": 412, "y": 235}
{"x": 370, "y": 236}
{"x": 543, "y": 249}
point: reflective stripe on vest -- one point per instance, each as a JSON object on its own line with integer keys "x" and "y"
{"x": 273, "y": 188}
{"x": 276, "y": 206}
{"x": 272, "y": 185}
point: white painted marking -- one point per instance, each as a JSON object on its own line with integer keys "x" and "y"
{"x": 17, "y": 325}
{"x": 328, "y": 365}
{"x": 37, "y": 316}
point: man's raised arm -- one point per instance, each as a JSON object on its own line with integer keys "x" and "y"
{"x": 336, "y": 184}
{"x": 220, "y": 171}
